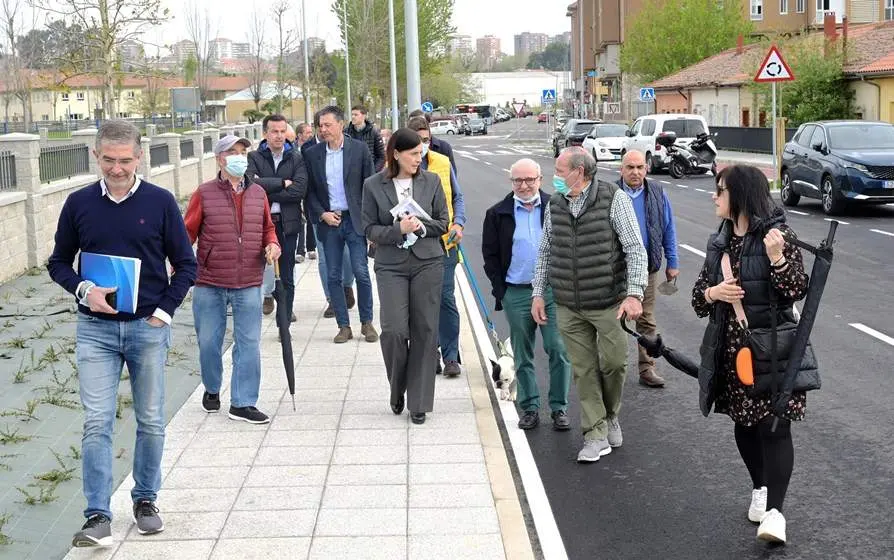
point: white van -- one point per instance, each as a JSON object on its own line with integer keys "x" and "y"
{"x": 645, "y": 130}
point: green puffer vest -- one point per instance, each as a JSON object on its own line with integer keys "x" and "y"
{"x": 587, "y": 268}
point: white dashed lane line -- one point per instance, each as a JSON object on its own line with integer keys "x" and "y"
{"x": 698, "y": 189}
{"x": 692, "y": 249}
{"x": 873, "y": 333}
{"x": 839, "y": 221}
{"x": 507, "y": 171}
{"x": 888, "y": 233}
{"x": 798, "y": 212}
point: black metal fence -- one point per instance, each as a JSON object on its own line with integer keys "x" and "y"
{"x": 63, "y": 162}
{"x": 744, "y": 139}
{"x": 187, "y": 148}
{"x": 7, "y": 171}
{"x": 206, "y": 144}
{"x": 159, "y": 155}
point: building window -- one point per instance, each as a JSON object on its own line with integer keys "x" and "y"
{"x": 800, "y": 6}
{"x": 64, "y": 97}
{"x": 783, "y": 7}
{"x": 757, "y": 9}
{"x": 889, "y": 10}
{"x": 131, "y": 94}
{"x": 822, "y": 6}
{"x": 80, "y": 95}
{"x": 45, "y": 117}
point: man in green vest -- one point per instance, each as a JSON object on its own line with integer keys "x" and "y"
{"x": 592, "y": 256}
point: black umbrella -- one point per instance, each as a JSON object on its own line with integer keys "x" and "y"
{"x": 818, "y": 276}
{"x": 655, "y": 348}
{"x": 283, "y": 321}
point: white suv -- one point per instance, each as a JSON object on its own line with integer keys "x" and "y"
{"x": 645, "y": 130}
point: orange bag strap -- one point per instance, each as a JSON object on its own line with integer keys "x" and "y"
{"x": 737, "y": 305}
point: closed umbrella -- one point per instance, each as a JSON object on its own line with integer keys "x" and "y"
{"x": 655, "y": 348}
{"x": 283, "y": 321}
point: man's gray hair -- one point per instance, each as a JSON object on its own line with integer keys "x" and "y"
{"x": 579, "y": 157}
{"x": 526, "y": 161}
{"x": 118, "y": 132}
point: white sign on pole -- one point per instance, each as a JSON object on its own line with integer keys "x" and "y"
{"x": 647, "y": 94}
{"x": 774, "y": 68}
{"x": 519, "y": 107}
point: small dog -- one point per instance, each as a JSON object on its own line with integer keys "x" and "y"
{"x": 504, "y": 377}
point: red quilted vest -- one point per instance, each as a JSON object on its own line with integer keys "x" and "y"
{"x": 227, "y": 257}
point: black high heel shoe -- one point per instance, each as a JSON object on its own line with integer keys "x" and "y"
{"x": 417, "y": 417}
{"x": 399, "y": 407}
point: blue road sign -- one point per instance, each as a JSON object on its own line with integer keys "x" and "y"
{"x": 647, "y": 94}
{"x": 428, "y": 107}
{"x": 548, "y": 96}
{"x": 591, "y": 73}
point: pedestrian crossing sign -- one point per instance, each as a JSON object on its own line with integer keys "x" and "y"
{"x": 647, "y": 94}
{"x": 548, "y": 96}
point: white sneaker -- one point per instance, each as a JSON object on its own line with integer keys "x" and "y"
{"x": 758, "y": 505}
{"x": 772, "y": 527}
{"x": 615, "y": 437}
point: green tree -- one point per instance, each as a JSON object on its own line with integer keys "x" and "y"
{"x": 555, "y": 57}
{"x": 190, "y": 69}
{"x": 668, "y": 35}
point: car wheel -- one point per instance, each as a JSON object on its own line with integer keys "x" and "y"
{"x": 787, "y": 193}
{"x": 650, "y": 164}
{"x": 449, "y": 132}
{"x": 833, "y": 202}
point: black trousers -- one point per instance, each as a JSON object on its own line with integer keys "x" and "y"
{"x": 307, "y": 241}
{"x": 769, "y": 456}
{"x": 288, "y": 243}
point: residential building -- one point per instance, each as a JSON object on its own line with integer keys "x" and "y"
{"x": 561, "y": 38}
{"x": 220, "y": 49}
{"x": 461, "y": 45}
{"x": 131, "y": 53}
{"x": 527, "y": 44}
{"x": 183, "y": 50}
{"x": 488, "y": 50}
{"x": 795, "y": 15}
{"x": 241, "y": 50}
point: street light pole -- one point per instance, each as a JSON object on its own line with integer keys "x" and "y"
{"x": 306, "y": 63}
{"x": 393, "y": 48}
{"x": 344, "y": 6}
{"x": 414, "y": 89}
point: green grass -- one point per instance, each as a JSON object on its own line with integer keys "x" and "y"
{"x": 4, "y": 539}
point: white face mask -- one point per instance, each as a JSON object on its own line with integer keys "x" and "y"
{"x": 533, "y": 198}
{"x": 424, "y": 150}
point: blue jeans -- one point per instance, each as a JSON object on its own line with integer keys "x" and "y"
{"x": 334, "y": 240}
{"x": 103, "y": 347}
{"x": 209, "y": 307}
{"x": 448, "y": 326}
{"x": 347, "y": 278}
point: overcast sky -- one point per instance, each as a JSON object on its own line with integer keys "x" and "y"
{"x": 477, "y": 18}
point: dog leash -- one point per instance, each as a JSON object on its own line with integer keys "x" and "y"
{"x": 491, "y": 327}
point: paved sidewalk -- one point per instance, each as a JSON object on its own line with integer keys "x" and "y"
{"x": 342, "y": 477}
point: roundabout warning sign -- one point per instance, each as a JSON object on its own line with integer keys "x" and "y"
{"x": 774, "y": 68}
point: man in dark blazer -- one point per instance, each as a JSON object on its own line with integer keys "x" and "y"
{"x": 277, "y": 166}
{"x": 336, "y": 169}
{"x": 512, "y": 231}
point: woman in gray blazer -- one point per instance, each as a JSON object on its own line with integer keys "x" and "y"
{"x": 409, "y": 268}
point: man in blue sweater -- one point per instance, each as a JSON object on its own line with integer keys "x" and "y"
{"x": 121, "y": 215}
{"x": 656, "y": 226}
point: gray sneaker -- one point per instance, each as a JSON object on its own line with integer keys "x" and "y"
{"x": 145, "y": 515}
{"x": 97, "y": 531}
{"x": 592, "y": 450}
{"x": 615, "y": 438}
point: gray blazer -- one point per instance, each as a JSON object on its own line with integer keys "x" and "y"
{"x": 380, "y": 196}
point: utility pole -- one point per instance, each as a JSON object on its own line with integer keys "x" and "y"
{"x": 344, "y": 6}
{"x": 306, "y": 64}
{"x": 391, "y": 43}
{"x": 414, "y": 89}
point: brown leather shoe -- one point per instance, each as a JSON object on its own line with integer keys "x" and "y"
{"x": 349, "y": 297}
{"x": 451, "y": 368}
{"x": 268, "y": 305}
{"x": 369, "y": 331}
{"x": 344, "y": 335}
{"x": 329, "y": 313}
{"x": 649, "y": 378}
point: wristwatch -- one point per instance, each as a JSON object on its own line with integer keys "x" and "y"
{"x": 85, "y": 291}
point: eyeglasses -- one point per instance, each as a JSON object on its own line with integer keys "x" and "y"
{"x": 426, "y": 140}
{"x": 720, "y": 189}
{"x": 530, "y": 181}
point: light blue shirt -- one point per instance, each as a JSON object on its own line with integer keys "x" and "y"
{"x": 335, "y": 178}
{"x": 525, "y": 241}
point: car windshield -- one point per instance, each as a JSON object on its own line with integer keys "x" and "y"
{"x": 684, "y": 128}
{"x": 609, "y": 130}
{"x": 861, "y": 137}
{"x": 582, "y": 128}
{"x": 477, "y": 121}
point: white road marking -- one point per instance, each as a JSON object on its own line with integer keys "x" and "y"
{"x": 507, "y": 171}
{"x": 698, "y": 189}
{"x": 483, "y": 152}
{"x": 461, "y": 152}
{"x": 798, "y": 212}
{"x": 692, "y": 249}
{"x": 487, "y": 163}
{"x": 890, "y": 204}
{"x": 505, "y": 153}
{"x": 519, "y": 150}
{"x": 839, "y": 221}
{"x": 882, "y": 232}
{"x": 679, "y": 185}
{"x": 467, "y": 156}
{"x": 544, "y": 520}
{"x": 873, "y": 333}
{"x": 664, "y": 182}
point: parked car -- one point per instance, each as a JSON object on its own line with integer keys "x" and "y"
{"x": 477, "y": 126}
{"x": 572, "y": 133}
{"x": 502, "y": 116}
{"x": 462, "y": 125}
{"x": 839, "y": 162}
{"x": 542, "y": 117}
{"x": 644, "y": 133}
{"x": 605, "y": 141}
{"x": 442, "y": 127}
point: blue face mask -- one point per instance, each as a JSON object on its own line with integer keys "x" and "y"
{"x": 560, "y": 185}
{"x": 424, "y": 150}
{"x": 237, "y": 165}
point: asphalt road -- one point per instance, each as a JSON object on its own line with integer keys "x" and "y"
{"x": 677, "y": 488}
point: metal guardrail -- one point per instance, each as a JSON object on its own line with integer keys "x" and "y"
{"x": 187, "y": 148}
{"x": 207, "y": 144}
{"x": 747, "y": 139}
{"x": 63, "y": 162}
{"x": 159, "y": 155}
{"x": 8, "y": 171}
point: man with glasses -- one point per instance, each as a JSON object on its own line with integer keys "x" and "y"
{"x": 512, "y": 231}
{"x": 448, "y": 330}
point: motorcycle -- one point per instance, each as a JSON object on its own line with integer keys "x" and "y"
{"x": 698, "y": 157}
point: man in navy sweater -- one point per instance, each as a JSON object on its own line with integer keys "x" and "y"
{"x": 123, "y": 216}
{"x": 659, "y": 233}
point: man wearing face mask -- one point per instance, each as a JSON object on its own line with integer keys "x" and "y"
{"x": 512, "y": 231}
{"x": 592, "y": 256}
{"x": 659, "y": 234}
{"x": 230, "y": 218}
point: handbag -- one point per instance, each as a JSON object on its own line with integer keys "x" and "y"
{"x": 763, "y": 359}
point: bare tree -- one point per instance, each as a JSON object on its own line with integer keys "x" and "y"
{"x": 286, "y": 41}
{"x": 109, "y": 23}
{"x": 16, "y": 71}
{"x": 199, "y": 28}
{"x": 257, "y": 66}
